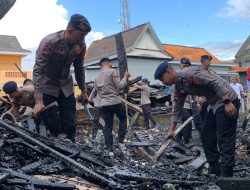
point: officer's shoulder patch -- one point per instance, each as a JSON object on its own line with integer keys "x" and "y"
{"x": 47, "y": 50}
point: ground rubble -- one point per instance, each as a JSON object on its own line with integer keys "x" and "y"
{"x": 25, "y": 164}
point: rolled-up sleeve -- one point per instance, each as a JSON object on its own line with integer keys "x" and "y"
{"x": 79, "y": 69}
{"x": 42, "y": 58}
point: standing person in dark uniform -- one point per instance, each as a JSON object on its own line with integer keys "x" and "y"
{"x": 189, "y": 109}
{"x": 219, "y": 129}
{"x": 52, "y": 77}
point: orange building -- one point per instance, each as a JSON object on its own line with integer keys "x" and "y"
{"x": 11, "y": 54}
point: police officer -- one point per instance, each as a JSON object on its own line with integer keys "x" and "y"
{"x": 20, "y": 96}
{"x": 206, "y": 62}
{"x": 188, "y": 109}
{"x": 219, "y": 129}
{"x": 108, "y": 86}
{"x": 95, "y": 100}
{"x": 52, "y": 77}
{"x": 145, "y": 102}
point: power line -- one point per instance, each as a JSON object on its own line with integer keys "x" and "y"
{"x": 220, "y": 50}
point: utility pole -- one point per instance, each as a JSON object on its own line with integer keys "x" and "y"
{"x": 125, "y": 15}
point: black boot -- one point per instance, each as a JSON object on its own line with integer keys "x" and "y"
{"x": 214, "y": 168}
{"x": 226, "y": 171}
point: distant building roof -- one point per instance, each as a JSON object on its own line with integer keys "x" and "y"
{"x": 107, "y": 46}
{"x": 10, "y": 44}
{"x": 192, "y": 53}
{"x": 238, "y": 69}
{"x": 244, "y": 50}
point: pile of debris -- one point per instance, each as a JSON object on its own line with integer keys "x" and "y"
{"x": 30, "y": 161}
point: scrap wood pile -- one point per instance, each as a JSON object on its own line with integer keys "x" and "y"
{"x": 30, "y": 161}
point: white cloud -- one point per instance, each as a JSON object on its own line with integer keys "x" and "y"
{"x": 92, "y": 36}
{"x": 238, "y": 9}
{"x": 31, "y": 20}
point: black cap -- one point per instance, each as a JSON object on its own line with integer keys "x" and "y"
{"x": 185, "y": 60}
{"x": 206, "y": 57}
{"x": 105, "y": 59}
{"x": 9, "y": 87}
{"x": 79, "y": 22}
{"x": 160, "y": 70}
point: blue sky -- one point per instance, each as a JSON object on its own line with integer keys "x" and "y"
{"x": 221, "y": 26}
{"x": 215, "y": 25}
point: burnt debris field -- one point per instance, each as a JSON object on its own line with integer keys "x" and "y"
{"x": 31, "y": 161}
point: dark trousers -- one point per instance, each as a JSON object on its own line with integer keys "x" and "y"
{"x": 186, "y": 132}
{"x": 147, "y": 115}
{"x": 218, "y": 138}
{"x": 204, "y": 111}
{"x": 96, "y": 124}
{"x": 197, "y": 118}
{"x": 108, "y": 116}
{"x": 61, "y": 119}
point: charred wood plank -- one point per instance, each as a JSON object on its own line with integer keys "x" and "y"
{"x": 137, "y": 79}
{"x": 141, "y": 179}
{"x": 143, "y": 153}
{"x": 184, "y": 160}
{"x": 140, "y": 144}
{"x": 131, "y": 123}
{"x": 84, "y": 170}
{"x": 35, "y": 181}
{"x": 41, "y": 184}
{"x": 132, "y": 106}
{"x": 198, "y": 162}
{"x": 133, "y": 119}
{"x": 148, "y": 149}
{"x": 31, "y": 167}
{"x": 168, "y": 142}
{"x": 121, "y": 55}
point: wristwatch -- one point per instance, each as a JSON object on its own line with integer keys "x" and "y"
{"x": 227, "y": 101}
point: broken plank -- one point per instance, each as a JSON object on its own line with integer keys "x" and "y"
{"x": 74, "y": 164}
{"x": 184, "y": 160}
{"x": 140, "y": 144}
{"x": 143, "y": 153}
{"x": 198, "y": 162}
{"x": 148, "y": 149}
{"x": 141, "y": 178}
{"x": 168, "y": 142}
{"x": 31, "y": 167}
{"x": 133, "y": 120}
{"x": 132, "y": 106}
{"x": 34, "y": 181}
{"x": 131, "y": 123}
